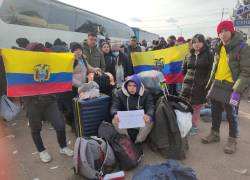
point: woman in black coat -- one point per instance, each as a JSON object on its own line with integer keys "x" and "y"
{"x": 116, "y": 63}
{"x": 196, "y": 69}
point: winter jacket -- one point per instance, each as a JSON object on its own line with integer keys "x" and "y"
{"x": 196, "y": 69}
{"x": 239, "y": 63}
{"x": 165, "y": 135}
{"x": 128, "y": 52}
{"x": 95, "y": 57}
{"x": 123, "y": 101}
{"x": 111, "y": 62}
{"x": 59, "y": 48}
{"x": 81, "y": 71}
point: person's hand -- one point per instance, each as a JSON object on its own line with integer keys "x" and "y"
{"x": 235, "y": 99}
{"x": 116, "y": 120}
{"x": 97, "y": 71}
{"x": 147, "y": 119}
{"x": 84, "y": 56}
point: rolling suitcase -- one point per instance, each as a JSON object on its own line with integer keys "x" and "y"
{"x": 89, "y": 114}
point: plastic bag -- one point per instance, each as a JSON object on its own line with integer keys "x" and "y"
{"x": 119, "y": 75}
{"x": 184, "y": 120}
{"x": 89, "y": 90}
{"x": 8, "y": 109}
{"x": 151, "y": 80}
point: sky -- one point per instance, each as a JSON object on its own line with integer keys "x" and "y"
{"x": 164, "y": 17}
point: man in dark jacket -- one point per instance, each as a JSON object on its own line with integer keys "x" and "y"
{"x": 133, "y": 96}
{"x": 59, "y": 46}
{"x": 94, "y": 56}
{"x": 232, "y": 68}
{"x": 132, "y": 47}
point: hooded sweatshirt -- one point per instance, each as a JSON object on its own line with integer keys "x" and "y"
{"x": 123, "y": 101}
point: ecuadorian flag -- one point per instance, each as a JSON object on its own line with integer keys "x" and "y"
{"x": 168, "y": 61}
{"x": 36, "y": 73}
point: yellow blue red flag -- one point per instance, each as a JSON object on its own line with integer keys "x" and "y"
{"x": 36, "y": 73}
{"x": 168, "y": 61}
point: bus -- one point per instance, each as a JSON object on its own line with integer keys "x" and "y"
{"x": 144, "y": 35}
{"x": 46, "y": 20}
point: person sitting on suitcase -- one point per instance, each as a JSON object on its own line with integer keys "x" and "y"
{"x": 133, "y": 96}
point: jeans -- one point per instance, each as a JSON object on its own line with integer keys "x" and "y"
{"x": 231, "y": 114}
{"x": 39, "y": 111}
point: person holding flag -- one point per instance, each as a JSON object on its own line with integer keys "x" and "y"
{"x": 37, "y": 82}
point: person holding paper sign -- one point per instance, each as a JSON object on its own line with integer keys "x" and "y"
{"x": 133, "y": 96}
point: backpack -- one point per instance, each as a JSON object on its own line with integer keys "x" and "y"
{"x": 93, "y": 157}
{"x": 171, "y": 169}
{"x": 106, "y": 130}
{"x": 125, "y": 151}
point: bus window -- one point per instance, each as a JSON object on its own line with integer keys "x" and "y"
{"x": 25, "y": 12}
{"x": 87, "y": 22}
{"x": 61, "y": 17}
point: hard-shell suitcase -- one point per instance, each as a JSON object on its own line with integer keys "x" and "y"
{"x": 89, "y": 114}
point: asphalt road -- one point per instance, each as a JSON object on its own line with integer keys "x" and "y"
{"x": 208, "y": 161}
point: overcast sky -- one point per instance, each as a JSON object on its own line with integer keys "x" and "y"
{"x": 164, "y": 17}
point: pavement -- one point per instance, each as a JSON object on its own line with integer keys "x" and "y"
{"x": 208, "y": 161}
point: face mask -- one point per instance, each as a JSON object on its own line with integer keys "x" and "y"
{"x": 116, "y": 53}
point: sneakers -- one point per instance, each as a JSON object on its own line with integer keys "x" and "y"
{"x": 211, "y": 138}
{"x": 66, "y": 151}
{"x": 45, "y": 156}
{"x": 230, "y": 147}
{"x": 193, "y": 131}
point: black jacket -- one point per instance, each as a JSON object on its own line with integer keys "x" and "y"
{"x": 196, "y": 69}
{"x": 122, "y": 101}
{"x": 128, "y": 52}
{"x": 111, "y": 61}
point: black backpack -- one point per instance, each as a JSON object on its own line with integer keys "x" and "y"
{"x": 106, "y": 131}
{"x": 124, "y": 149}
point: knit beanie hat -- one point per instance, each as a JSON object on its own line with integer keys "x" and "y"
{"x": 225, "y": 25}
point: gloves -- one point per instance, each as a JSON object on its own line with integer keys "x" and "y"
{"x": 235, "y": 99}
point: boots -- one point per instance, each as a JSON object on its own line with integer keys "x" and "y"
{"x": 230, "y": 147}
{"x": 212, "y": 137}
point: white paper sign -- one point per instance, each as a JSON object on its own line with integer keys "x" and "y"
{"x": 131, "y": 119}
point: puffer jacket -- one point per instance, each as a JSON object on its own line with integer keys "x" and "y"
{"x": 239, "y": 63}
{"x": 95, "y": 57}
{"x": 196, "y": 69}
{"x": 123, "y": 101}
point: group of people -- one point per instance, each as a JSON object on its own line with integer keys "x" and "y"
{"x": 207, "y": 74}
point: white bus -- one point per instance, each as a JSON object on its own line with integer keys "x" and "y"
{"x": 46, "y": 20}
{"x": 145, "y": 35}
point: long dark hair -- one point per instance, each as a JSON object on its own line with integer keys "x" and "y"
{"x": 110, "y": 51}
{"x": 200, "y": 38}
